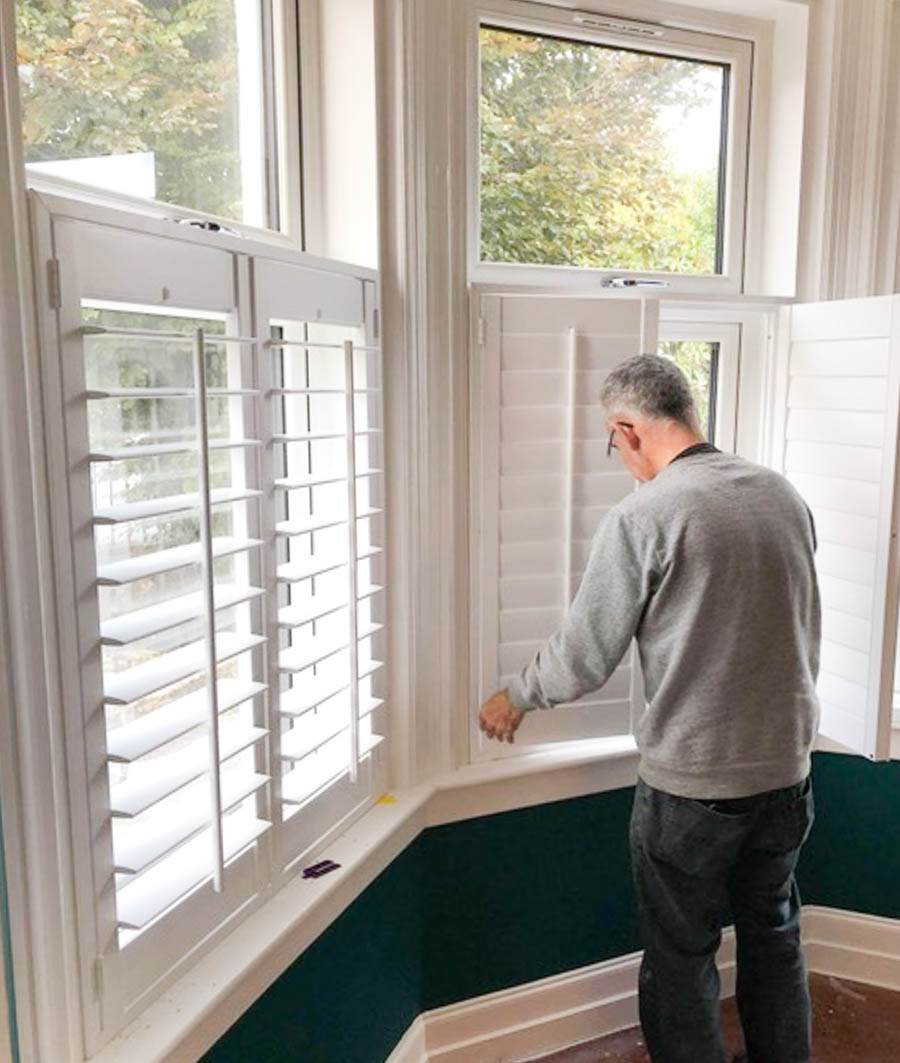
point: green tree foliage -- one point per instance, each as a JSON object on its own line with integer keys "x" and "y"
{"x": 107, "y": 77}
{"x": 696, "y": 359}
{"x": 575, "y": 169}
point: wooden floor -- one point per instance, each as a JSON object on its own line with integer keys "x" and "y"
{"x": 852, "y": 1023}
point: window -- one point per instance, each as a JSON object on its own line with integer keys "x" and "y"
{"x": 609, "y": 145}
{"x": 699, "y": 361}
{"x": 706, "y": 346}
{"x": 219, "y": 582}
{"x": 154, "y": 100}
{"x": 542, "y": 478}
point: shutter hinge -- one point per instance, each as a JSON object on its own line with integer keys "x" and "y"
{"x": 481, "y": 332}
{"x": 53, "y": 290}
{"x": 376, "y": 323}
{"x": 98, "y": 977}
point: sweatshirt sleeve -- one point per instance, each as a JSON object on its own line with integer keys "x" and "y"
{"x": 602, "y": 620}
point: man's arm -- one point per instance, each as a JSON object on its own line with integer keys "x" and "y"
{"x": 618, "y": 581}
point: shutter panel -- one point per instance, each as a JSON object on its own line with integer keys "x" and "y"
{"x": 324, "y": 436}
{"x": 158, "y": 547}
{"x": 160, "y": 686}
{"x": 545, "y": 482}
{"x": 840, "y": 452}
{"x": 218, "y": 533}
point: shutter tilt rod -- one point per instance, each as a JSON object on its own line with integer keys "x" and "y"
{"x": 158, "y": 334}
{"x": 568, "y": 504}
{"x": 352, "y": 566}
{"x": 209, "y": 613}
{"x": 313, "y": 346}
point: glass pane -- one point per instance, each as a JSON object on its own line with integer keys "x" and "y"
{"x": 156, "y": 99}
{"x": 698, "y": 360}
{"x": 599, "y": 156}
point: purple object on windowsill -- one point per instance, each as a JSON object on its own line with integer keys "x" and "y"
{"x": 321, "y": 868}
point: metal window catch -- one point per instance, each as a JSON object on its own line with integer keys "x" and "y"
{"x": 634, "y": 282}
{"x": 207, "y": 226}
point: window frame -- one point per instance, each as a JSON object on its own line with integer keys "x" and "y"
{"x": 747, "y": 360}
{"x": 738, "y": 53}
{"x": 727, "y": 369}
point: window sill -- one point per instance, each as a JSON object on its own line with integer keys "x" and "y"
{"x": 181, "y": 1025}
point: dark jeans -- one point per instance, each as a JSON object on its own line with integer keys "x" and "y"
{"x": 697, "y": 865}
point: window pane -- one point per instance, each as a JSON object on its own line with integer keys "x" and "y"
{"x": 599, "y": 156}
{"x": 698, "y": 360}
{"x": 156, "y": 99}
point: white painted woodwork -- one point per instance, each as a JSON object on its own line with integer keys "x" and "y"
{"x": 142, "y": 766}
{"x": 560, "y": 1012}
{"x": 166, "y": 882}
{"x": 544, "y": 483}
{"x": 323, "y": 430}
{"x": 830, "y": 426}
{"x": 840, "y": 452}
{"x": 146, "y": 733}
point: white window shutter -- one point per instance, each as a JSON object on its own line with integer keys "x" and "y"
{"x": 215, "y": 442}
{"x": 321, "y": 366}
{"x": 543, "y": 482}
{"x": 840, "y": 452}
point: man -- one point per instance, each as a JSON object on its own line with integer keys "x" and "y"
{"x": 709, "y": 566}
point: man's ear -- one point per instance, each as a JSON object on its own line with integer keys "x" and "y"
{"x": 631, "y": 437}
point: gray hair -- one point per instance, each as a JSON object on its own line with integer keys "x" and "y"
{"x": 652, "y": 387}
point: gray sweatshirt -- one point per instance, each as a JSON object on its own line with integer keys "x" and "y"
{"x": 710, "y": 567}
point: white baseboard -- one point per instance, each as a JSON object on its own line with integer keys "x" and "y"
{"x": 860, "y": 948}
{"x": 412, "y": 1048}
{"x": 537, "y": 1018}
{"x": 532, "y": 1020}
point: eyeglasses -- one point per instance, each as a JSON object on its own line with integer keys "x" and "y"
{"x": 611, "y": 446}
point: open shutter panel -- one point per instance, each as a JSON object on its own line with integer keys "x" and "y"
{"x": 546, "y": 482}
{"x": 173, "y": 661}
{"x": 154, "y": 451}
{"x": 322, "y": 371}
{"x": 840, "y": 452}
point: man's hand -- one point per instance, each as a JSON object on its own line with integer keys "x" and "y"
{"x": 499, "y": 718}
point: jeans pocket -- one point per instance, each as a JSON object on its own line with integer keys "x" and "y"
{"x": 788, "y": 819}
{"x": 688, "y": 835}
